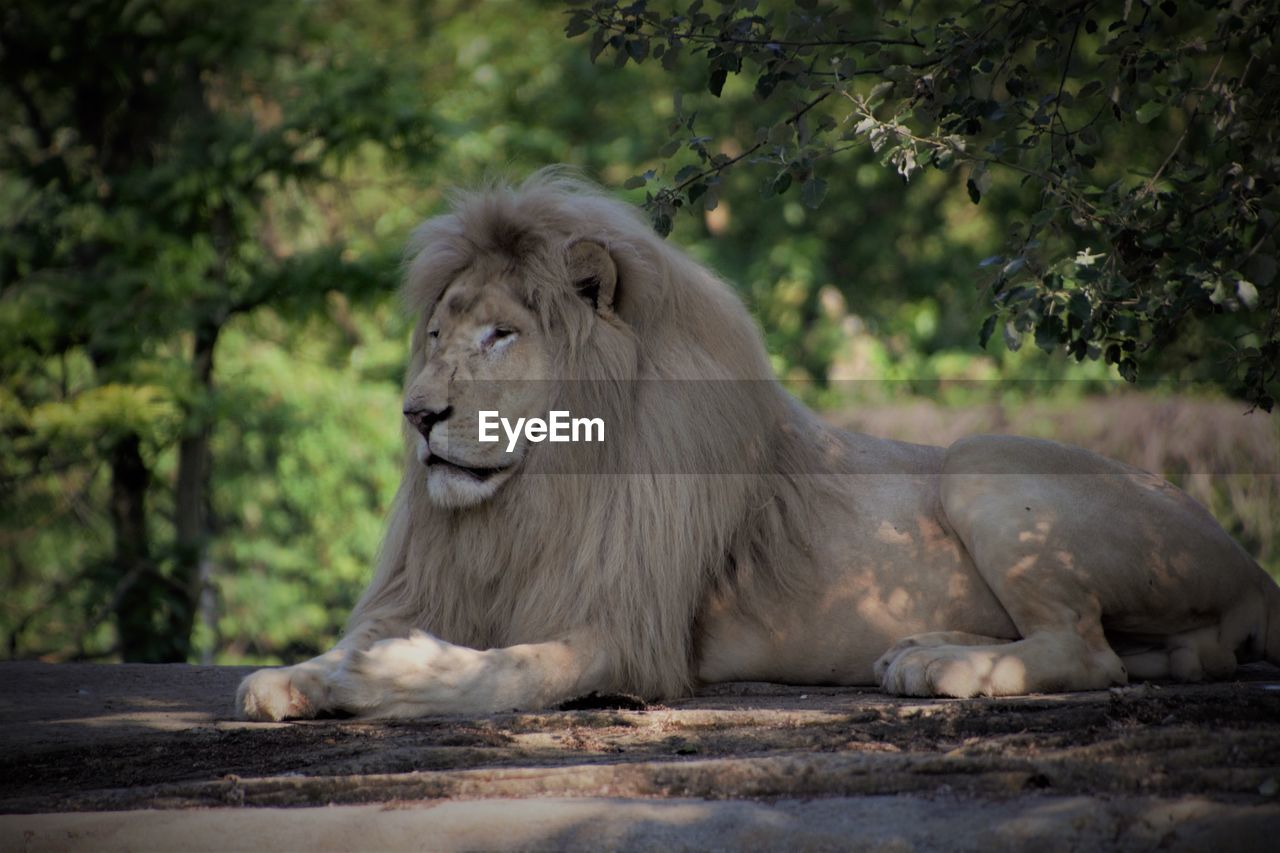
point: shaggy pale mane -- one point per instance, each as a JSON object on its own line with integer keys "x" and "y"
{"x": 633, "y": 554}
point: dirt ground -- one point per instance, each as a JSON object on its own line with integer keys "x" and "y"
{"x": 123, "y": 747}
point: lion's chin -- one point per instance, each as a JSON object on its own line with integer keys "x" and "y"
{"x": 451, "y": 486}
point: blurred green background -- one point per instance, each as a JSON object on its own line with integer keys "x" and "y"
{"x": 203, "y": 209}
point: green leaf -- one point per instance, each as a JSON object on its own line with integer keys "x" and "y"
{"x": 635, "y": 182}
{"x": 685, "y": 173}
{"x": 1089, "y": 89}
{"x": 1049, "y": 333}
{"x": 1149, "y": 111}
{"x": 638, "y": 49}
{"x": 1248, "y": 293}
{"x": 979, "y": 182}
{"x": 1012, "y": 337}
{"x": 1078, "y": 307}
{"x": 988, "y": 326}
{"x": 813, "y": 192}
{"x": 975, "y": 195}
{"x": 715, "y": 85}
{"x": 879, "y": 92}
{"x": 982, "y": 177}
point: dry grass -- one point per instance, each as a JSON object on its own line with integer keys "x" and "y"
{"x": 1226, "y": 459}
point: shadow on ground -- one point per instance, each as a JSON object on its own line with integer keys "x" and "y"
{"x": 741, "y": 763}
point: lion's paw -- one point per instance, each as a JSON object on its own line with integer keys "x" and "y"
{"x": 882, "y": 664}
{"x": 958, "y": 671}
{"x": 270, "y": 695}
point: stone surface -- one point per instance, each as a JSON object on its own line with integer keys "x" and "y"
{"x": 141, "y": 757}
{"x": 880, "y": 823}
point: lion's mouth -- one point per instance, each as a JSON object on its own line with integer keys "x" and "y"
{"x": 479, "y": 474}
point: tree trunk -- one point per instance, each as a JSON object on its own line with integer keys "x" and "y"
{"x": 140, "y": 591}
{"x": 192, "y": 494}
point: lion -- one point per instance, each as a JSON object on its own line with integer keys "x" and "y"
{"x": 722, "y": 531}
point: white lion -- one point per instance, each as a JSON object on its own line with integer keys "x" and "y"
{"x": 723, "y": 532}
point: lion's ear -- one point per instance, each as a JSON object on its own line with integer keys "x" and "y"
{"x": 593, "y": 273}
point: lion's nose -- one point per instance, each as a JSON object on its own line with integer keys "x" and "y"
{"x": 424, "y": 419}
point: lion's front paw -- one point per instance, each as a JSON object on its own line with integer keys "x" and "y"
{"x": 939, "y": 671}
{"x": 951, "y": 663}
{"x": 276, "y": 694}
{"x": 960, "y": 671}
{"x": 881, "y": 666}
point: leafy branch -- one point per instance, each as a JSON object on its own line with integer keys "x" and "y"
{"x": 1143, "y": 260}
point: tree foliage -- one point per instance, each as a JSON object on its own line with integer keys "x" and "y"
{"x": 145, "y": 143}
{"x": 200, "y": 347}
{"x": 1136, "y": 139}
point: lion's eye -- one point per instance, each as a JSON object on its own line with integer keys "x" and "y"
{"x": 497, "y": 335}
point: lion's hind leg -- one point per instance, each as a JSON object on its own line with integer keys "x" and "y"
{"x": 1207, "y": 652}
{"x": 1033, "y": 536}
{"x": 1062, "y": 647}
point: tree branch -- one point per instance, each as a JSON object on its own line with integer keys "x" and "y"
{"x": 717, "y": 169}
{"x": 656, "y": 31}
{"x": 1066, "y": 67}
{"x": 1151, "y": 183}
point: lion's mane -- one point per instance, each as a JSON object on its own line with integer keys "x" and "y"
{"x": 625, "y": 544}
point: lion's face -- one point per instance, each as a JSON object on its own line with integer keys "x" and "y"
{"x": 484, "y": 351}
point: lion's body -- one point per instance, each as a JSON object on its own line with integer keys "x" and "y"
{"x": 722, "y": 531}
{"x": 923, "y": 544}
